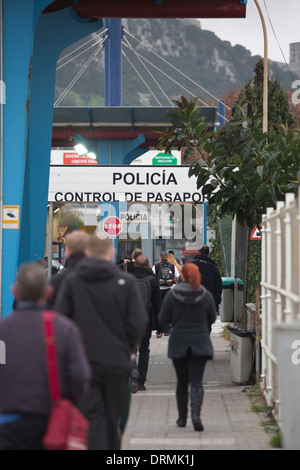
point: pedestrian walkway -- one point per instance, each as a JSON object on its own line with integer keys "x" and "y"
{"x": 226, "y": 413}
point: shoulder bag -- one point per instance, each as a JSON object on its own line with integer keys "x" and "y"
{"x": 67, "y": 428}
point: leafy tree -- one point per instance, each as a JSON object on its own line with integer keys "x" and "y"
{"x": 243, "y": 174}
{"x": 71, "y": 218}
{"x": 252, "y": 94}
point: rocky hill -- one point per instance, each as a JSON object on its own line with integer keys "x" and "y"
{"x": 198, "y": 54}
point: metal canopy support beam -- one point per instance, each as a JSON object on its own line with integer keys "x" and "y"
{"x": 155, "y": 8}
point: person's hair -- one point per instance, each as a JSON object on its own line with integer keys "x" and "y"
{"x": 172, "y": 260}
{"x": 184, "y": 259}
{"x": 31, "y": 281}
{"x": 141, "y": 261}
{"x": 192, "y": 275}
{"x": 42, "y": 262}
{"x": 204, "y": 250}
{"x": 137, "y": 252}
{"x": 99, "y": 245}
{"x": 76, "y": 241}
{"x": 172, "y": 252}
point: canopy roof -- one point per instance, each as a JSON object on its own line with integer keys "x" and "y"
{"x": 153, "y": 8}
{"x": 115, "y": 123}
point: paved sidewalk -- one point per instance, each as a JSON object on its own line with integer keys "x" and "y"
{"x": 229, "y": 423}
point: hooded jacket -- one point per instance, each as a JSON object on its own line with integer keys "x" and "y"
{"x": 106, "y": 305}
{"x": 191, "y": 312}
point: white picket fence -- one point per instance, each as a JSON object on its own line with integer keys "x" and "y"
{"x": 280, "y": 286}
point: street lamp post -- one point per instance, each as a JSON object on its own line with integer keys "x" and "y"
{"x": 265, "y": 83}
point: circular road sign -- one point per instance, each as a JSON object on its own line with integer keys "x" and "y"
{"x": 112, "y": 226}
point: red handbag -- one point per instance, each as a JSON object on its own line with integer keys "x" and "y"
{"x": 67, "y": 428}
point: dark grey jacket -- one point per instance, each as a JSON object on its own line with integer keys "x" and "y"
{"x": 24, "y": 386}
{"x": 106, "y": 304}
{"x": 191, "y": 313}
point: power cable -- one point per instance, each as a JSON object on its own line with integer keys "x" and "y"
{"x": 278, "y": 41}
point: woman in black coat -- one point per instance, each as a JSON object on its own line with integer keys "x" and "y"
{"x": 190, "y": 309}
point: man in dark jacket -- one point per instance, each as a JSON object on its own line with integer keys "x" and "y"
{"x": 141, "y": 270}
{"x": 76, "y": 243}
{"x": 105, "y": 303}
{"x": 25, "y": 400}
{"x": 210, "y": 274}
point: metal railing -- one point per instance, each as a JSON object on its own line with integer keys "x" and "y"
{"x": 280, "y": 285}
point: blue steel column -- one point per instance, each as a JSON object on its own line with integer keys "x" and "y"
{"x": 113, "y": 82}
{"x": 29, "y": 72}
{"x": 222, "y": 113}
{"x": 113, "y": 62}
{"x": 19, "y": 18}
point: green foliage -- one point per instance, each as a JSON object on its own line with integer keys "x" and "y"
{"x": 243, "y": 174}
{"x": 252, "y": 94}
{"x": 275, "y": 441}
{"x": 69, "y": 217}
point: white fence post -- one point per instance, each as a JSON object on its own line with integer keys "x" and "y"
{"x": 280, "y": 295}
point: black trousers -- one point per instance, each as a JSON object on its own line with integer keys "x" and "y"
{"x": 189, "y": 370}
{"x": 163, "y": 328}
{"x": 24, "y": 434}
{"x": 103, "y": 406}
{"x": 143, "y": 359}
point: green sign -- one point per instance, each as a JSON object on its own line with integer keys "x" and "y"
{"x": 164, "y": 159}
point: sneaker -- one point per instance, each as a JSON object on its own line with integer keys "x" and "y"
{"x": 142, "y": 388}
{"x": 134, "y": 384}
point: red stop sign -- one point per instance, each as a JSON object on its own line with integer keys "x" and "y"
{"x": 112, "y": 226}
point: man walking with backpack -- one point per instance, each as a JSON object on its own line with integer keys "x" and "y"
{"x": 167, "y": 273}
{"x": 149, "y": 287}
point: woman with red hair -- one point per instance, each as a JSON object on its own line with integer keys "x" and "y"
{"x": 190, "y": 309}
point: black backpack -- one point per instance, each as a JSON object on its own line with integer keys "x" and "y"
{"x": 144, "y": 286}
{"x": 165, "y": 273}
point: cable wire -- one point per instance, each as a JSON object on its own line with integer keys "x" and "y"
{"x": 139, "y": 75}
{"x": 172, "y": 79}
{"x": 153, "y": 78}
{"x": 80, "y": 53}
{"x": 82, "y": 45}
{"x": 81, "y": 71}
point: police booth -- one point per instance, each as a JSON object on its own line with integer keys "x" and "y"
{"x": 105, "y": 159}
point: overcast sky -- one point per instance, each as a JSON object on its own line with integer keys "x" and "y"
{"x": 285, "y": 18}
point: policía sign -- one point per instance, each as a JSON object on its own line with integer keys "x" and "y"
{"x": 104, "y": 183}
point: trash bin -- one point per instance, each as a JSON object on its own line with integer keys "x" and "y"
{"x": 227, "y": 303}
{"x": 241, "y": 355}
